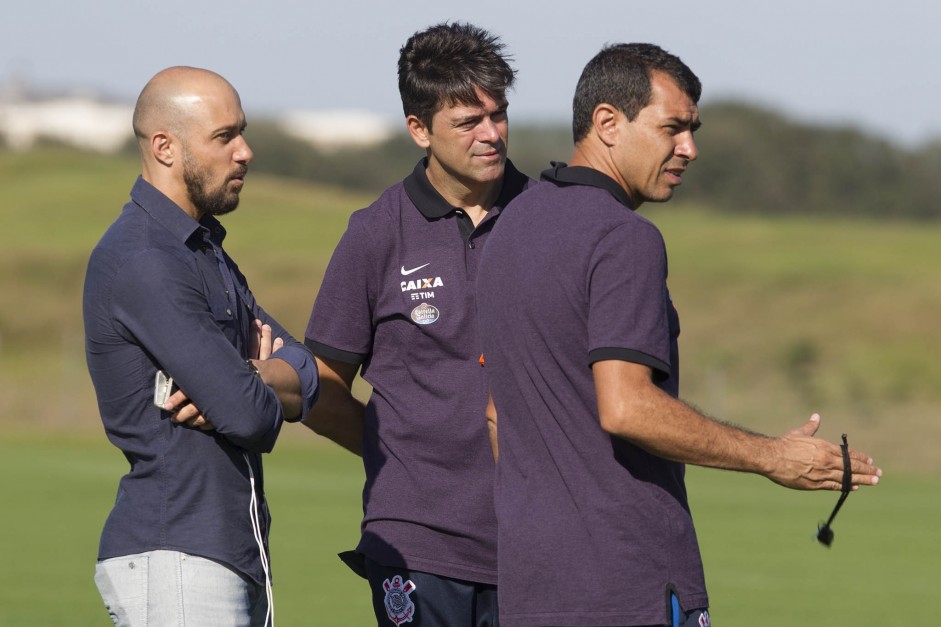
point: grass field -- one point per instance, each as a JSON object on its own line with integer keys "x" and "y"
{"x": 64, "y": 490}
{"x": 762, "y": 565}
{"x": 781, "y": 317}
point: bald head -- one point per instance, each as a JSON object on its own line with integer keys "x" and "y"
{"x": 189, "y": 124}
{"x": 173, "y": 98}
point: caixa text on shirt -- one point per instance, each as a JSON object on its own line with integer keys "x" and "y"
{"x": 422, "y": 284}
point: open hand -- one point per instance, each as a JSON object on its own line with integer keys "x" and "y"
{"x": 804, "y": 462}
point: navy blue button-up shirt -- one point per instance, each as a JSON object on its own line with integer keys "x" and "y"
{"x": 160, "y": 293}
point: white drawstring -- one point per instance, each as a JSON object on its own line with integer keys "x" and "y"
{"x": 256, "y": 529}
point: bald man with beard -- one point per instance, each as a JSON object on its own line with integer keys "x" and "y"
{"x": 166, "y": 308}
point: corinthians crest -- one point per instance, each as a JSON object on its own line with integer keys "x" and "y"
{"x": 399, "y": 606}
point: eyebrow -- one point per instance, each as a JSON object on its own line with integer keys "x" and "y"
{"x": 239, "y": 126}
{"x": 466, "y": 119}
{"x": 501, "y": 108}
{"x": 693, "y": 125}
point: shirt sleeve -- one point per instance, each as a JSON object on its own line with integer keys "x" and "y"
{"x": 628, "y": 298}
{"x": 341, "y": 322}
{"x": 158, "y": 301}
{"x": 294, "y": 353}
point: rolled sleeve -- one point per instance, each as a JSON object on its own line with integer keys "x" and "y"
{"x": 294, "y": 353}
{"x": 299, "y": 358}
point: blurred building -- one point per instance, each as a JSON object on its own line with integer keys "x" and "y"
{"x": 335, "y": 129}
{"x": 90, "y": 121}
{"x": 81, "y": 119}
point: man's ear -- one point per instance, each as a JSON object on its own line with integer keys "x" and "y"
{"x": 163, "y": 146}
{"x": 418, "y": 131}
{"x": 604, "y": 121}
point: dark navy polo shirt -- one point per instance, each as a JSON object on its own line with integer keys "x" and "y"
{"x": 592, "y": 529}
{"x": 398, "y": 298}
{"x": 161, "y": 293}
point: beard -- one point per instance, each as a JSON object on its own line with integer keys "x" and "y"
{"x": 208, "y": 200}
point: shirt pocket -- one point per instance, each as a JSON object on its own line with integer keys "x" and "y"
{"x": 221, "y": 307}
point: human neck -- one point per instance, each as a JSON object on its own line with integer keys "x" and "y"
{"x": 587, "y": 155}
{"x": 474, "y": 198}
{"x": 172, "y": 188}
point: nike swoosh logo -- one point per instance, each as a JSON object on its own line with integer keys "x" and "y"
{"x": 408, "y": 272}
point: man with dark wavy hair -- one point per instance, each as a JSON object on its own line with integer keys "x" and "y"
{"x": 397, "y": 305}
{"x": 581, "y": 347}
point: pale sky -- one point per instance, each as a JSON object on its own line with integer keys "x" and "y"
{"x": 837, "y": 61}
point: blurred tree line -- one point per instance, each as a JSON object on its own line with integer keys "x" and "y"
{"x": 756, "y": 160}
{"x": 752, "y": 160}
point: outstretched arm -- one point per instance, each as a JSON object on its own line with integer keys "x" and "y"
{"x": 630, "y": 406}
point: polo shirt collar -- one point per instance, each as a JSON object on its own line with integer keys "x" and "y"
{"x": 180, "y": 224}
{"x": 563, "y": 174}
{"x": 432, "y": 204}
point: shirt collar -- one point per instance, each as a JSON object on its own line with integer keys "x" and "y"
{"x": 171, "y": 216}
{"x": 432, "y": 204}
{"x": 563, "y": 174}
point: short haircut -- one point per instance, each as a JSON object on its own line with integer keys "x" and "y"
{"x": 620, "y": 76}
{"x": 444, "y": 64}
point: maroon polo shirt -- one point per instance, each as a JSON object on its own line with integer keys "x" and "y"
{"x": 592, "y": 530}
{"x": 398, "y": 298}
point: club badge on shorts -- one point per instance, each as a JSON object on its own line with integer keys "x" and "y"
{"x": 399, "y": 607}
{"x": 425, "y": 314}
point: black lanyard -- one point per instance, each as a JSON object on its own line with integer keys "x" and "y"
{"x": 824, "y": 532}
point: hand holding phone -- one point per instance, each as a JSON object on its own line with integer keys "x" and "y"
{"x": 163, "y": 388}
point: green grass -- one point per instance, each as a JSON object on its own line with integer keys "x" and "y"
{"x": 781, "y": 317}
{"x": 762, "y": 565}
{"x": 56, "y": 203}
{"x": 60, "y": 490}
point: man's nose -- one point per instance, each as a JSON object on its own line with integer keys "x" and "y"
{"x": 686, "y": 146}
{"x": 243, "y": 153}
{"x": 488, "y": 132}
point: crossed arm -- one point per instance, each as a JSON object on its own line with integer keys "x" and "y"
{"x": 275, "y": 373}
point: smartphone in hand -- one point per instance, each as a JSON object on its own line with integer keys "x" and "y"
{"x": 163, "y": 388}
